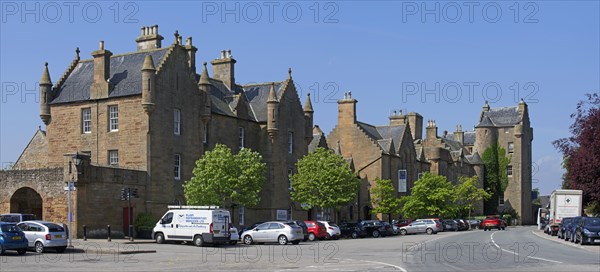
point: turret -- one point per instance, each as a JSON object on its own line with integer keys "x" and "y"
{"x": 308, "y": 116}
{"x": 148, "y": 84}
{"x": 45, "y": 88}
{"x": 205, "y": 86}
{"x": 273, "y": 113}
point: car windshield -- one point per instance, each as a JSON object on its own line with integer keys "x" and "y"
{"x": 592, "y": 222}
{"x": 333, "y": 225}
{"x": 291, "y": 224}
{"x": 9, "y": 228}
{"x": 54, "y": 227}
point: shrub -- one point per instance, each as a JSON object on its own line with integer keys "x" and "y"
{"x": 144, "y": 221}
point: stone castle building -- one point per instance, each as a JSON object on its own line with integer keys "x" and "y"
{"x": 399, "y": 152}
{"x": 141, "y": 120}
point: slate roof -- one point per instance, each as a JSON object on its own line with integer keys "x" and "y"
{"x": 474, "y": 159}
{"x": 257, "y": 95}
{"x": 500, "y": 117}
{"x": 125, "y": 76}
{"x": 318, "y": 140}
{"x": 468, "y": 138}
{"x": 385, "y": 136}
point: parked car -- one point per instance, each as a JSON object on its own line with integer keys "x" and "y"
{"x": 474, "y": 223}
{"x": 375, "y": 228}
{"x": 12, "y": 238}
{"x": 570, "y": 232}
{"x": 492, "y": 222}
{"x": 333, "y": 231}
{"x": 564, "y": 224}
{"x": 42, "y": 235}
{"x": 462, "y": 224}
{"x": 432, "y": 223}
{"x": 241, "y": 230}
{"x": 588, "y": 231}
{"x": 316, "y": 230}
{"x": 353, "y": 230}
{"x": 418, "y": 227}
{"x": 274, "y": 231}
{"x": 16, "y": 217}
{"x": 450, "y": 225}
{"x": 234, "y": 235}
{"x": 387, "y": 229}
{"x": 401, "y": 222}
{"x": 304, "y": 229}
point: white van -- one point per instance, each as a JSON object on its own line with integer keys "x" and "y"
{"x": 197, "y": 224}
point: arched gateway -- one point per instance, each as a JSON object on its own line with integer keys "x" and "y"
{"x": 26, "y": 200}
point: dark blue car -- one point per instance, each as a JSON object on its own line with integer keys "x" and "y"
{"x": 570, "y": 231}
{"x": 12, "y": 238}
{"x": 562, "y": 227}
{"x": 588, "y": 231}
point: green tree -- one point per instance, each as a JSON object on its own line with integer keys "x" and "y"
{"x": 432, "y": 195}
{"x": 495, "y": 175}
{"x": 467, "y": 194}
{"x": 324, "y": 180}
{"x": 222, "y": 178}
{"x": 383, "y": 196}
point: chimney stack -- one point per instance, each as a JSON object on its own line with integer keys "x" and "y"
{"x": 191, "y": 50}
{"x": 397, "y": 119}
{"x": 149, "y": 38}
{"x": 415, "y": 122}
{"x": 347, "y": 110}
{"x": 223, "y": 69}
{"x": 100, "y": 87}
{"x": 431, "y": 130}
{"x": 459, "y": 135}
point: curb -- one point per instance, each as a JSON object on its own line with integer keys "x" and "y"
{"x": 562, "y": 242}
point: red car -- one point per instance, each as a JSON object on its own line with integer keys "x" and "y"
{"x": 492, "y": 222}
{"x": 316, "y": 230}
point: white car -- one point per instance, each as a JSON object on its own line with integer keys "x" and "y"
{"x": 274, "y": 231}
{"x": 235, "y": 236}
{"x": 41, "y": 235}
{"x": 333, "y": 231}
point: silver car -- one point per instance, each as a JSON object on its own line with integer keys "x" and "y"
{"x": 279, "y": 232}
{"x": 42, "y": 235}
{"x": 417, "y": 227}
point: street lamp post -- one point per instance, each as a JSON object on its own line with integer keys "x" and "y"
{"x": 69, "y": 188}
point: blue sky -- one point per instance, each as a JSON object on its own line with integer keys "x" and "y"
{"x": 409, "y": 55}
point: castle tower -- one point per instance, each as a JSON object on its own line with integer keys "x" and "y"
{"x": 273, "y": 113}
{"x": 205, "y": 87}
{"x": 308, "y": 116}
{"x": 45, "y": 88}
{"x": 148, "y": 84}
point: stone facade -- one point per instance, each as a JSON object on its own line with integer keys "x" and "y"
{"x": 142, "y": 119}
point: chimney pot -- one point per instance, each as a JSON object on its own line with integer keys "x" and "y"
{"x": 229, "y": 53}
{"x": 222, "y": 54}
{"x": 188, "y": 41}
{"x": 101, "y": 45}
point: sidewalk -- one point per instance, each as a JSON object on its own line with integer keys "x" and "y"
{"x": 115, "y": 246}
{"x": 541, "y": 234}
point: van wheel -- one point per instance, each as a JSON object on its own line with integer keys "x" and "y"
{"x": 22, "y": 251}
{"x": 39, "y": 247}
{"x": 282, "y": 240}
{"x": 429, "y": 231}
{"x": 198, "y": 241}
{"x": 376, "y": 233}
{"x": 248, "y": 240}
{"x": 159, "y": 238}
{"x": 311, "y": 236}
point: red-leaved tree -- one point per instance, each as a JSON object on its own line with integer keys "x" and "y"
{"x": 582, "y": 149}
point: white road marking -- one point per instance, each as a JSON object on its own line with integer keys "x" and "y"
{"x": 387, "y": 264}
{"x": 536, "y": 258}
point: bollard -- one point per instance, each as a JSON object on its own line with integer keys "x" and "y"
{"x": 131, "y": 233}
{"x": 108, "y": 226}
{"x": 84, "y": 232}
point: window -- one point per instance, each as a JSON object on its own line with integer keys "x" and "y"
{"x": 113, "y": 118}
{"x": 241, "y": 137}
{"x": 113, "y": 157}
{"x": 509, "y": 170}
{"x": 290, "y": 172}
{"x": 176, "y": 121}
{"x": 290, "y": 142}
{"x": 205, "y": 139}
{"x": 177, "y": 168}
{"x": 86, "y": 117}
{"x": 511, "y": 147}
{"x": 402, "y": 181}
{"x": 241, "y": 216}
{"x": 501, "y": 199}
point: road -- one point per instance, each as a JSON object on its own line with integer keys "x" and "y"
{"x": 516, "y": 249}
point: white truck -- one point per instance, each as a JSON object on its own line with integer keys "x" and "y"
{"x": 563, "y": 203}
{"x": 197, "y": 224}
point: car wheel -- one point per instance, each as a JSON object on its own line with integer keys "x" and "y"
{"x": 296, "y": 242}
{"x": 198, "y": 240}
{"x": 22, "y": 251}
{"x": 503, "y": 228}
{"x": 282, "y": 240}
{"x": 402, "y": 232}
{"x": 159, "y": 238}
{"x": 60, "y": 249}
{"x": 429, "y": 231}
{"x": 311, "y": 236}
{"x": 354, "y": 235}
{"x": 376, "y": 234}
{"x": 327, "y": 237}
{"x": 1, "y": 250}
{"x": 248, "y": 240}
{"x": 39, "y": 247}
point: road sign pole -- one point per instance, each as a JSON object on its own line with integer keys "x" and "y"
{"x": 70, "y": 215}
{"x": 129, "y": 214}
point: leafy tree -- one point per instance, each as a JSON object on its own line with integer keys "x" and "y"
{"x": 222, "y": 178}
{"x": 324, "y": 180}
{"x": 467, "y": 194}
{"x": 582, "y": 149}
{"x": 495, "y": 177}
{"x": 383, "y": 196}
{"x": 431, "y": 195}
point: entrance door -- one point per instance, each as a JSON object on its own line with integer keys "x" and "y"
{"x": 126, "y": 218}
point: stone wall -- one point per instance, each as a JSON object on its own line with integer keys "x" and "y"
{"x": 35, "y": 154}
